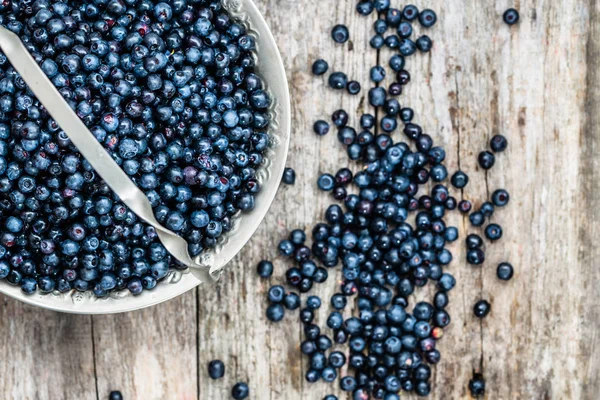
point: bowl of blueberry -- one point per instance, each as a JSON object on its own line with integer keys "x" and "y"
{"x": 188, "y": 98}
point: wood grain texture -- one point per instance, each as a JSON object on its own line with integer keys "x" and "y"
{"x": 538, "y": 83}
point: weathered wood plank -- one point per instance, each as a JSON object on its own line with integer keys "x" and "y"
{"x": 44, "y": 355}
{"x": 148, "y": 354}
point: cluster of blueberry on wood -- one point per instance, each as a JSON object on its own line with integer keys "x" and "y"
{"x": 384, "y": 257}
{"x": 169, "y": 89}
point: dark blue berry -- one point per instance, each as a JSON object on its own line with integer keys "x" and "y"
{"x": 240, "y": 391}
{"x": 340, "y": 34}
{"x": 320, "y": 67}
{"x": 265, "y": 269}
{"x": 493, "y": 232}
{"x": 498, "y": 143}
{"x": 291, "y": 301}
{"x": 511, "y": 16}
{"x": 353, "y": 87}
{"x": 427, "y": 18}
{"x": 289, "y": 176}
{"x": 486, "y": 159}
{"x": 500, "y": 198}
{"x": 481, "y": 309}
{"x": 275, "y": 312}
{"x": 115, "y": 395}
{"x": 321, "y": 127}
{"x": 326, "y": 182}
{"x": 505, "y": 271}
{"x": 477, "y": 385}
{"x": 338, "y": 80}
{"x": 216, "y": 369}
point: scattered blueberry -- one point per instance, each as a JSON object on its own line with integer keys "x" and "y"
{"x": 320, "y": 67}
{"x": 498, "y": 143}
{"x": 493, "y": 232}
{"x": 216, "y": 369}
{"x": 427, "y": 18}
{"x": 265, "y": 269}
{"x": 321, "y": 127}
{"x": 500, "y": 197}
{"x": 486, "y": 159}
{"x": 353, "y": 87}
{"x": 338, "y": 80}
{"x": 481, "y": 309}
{"x": 289, "y": 176}
{"x": 459, "y": 179}
{"x": 340, "y": 34}
{"x": 115, "y": 395}
{"x": 326, "y": 182}
{"x": 505, "y": 271}
{"x": 511, "y": 16}
{"x": 240, "y": 391}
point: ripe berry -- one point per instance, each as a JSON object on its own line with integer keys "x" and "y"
{"x": 481, "y": 309}
{"x": 216, "y": 369}
{"x": 511, "y": 16}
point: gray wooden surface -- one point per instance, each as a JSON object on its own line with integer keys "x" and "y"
{"x": 537, "y": 83}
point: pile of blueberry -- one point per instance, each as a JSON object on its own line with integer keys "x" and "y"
{"x": 169, "y": 89}
{"x": 388, "y": 237}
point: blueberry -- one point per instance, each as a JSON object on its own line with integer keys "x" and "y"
{"x": 510, "y": 16}
{"x": 276, "y": 294}
{"x": 477, "y": 218}
{"x": 340, "y": 34}
{"x": 407, "y": 47}
{"x": 486, "y": 159}
{"x": 427, "y": 18}
{"x": 365, "y": 7}
{"x": 291, "y": 301}
{"x": 493, "y": 232}
{"x": 410, "y": 12}
{"x": 275, "y": 312}
{"x": 424, "y": 43}
{"x": 326, "y": 182}
{"x": 216, "y": 369}
{"x": 377, "y": 42}
{"x": 313, "y": 302}
{"x": 240, "y": 391}
{"x": 338, "y": 80}
{"x": 377, "y": 74}
{"x": 289, "y": 176}
{"x": 397, "y": 62}
{"x": 504, "y": 271}
{"x": 353, "y": 87}
{"x": 475, "y": 256}
{"x": 320, "y": 67}
{"x": 464, "y": 206}
{"x": 474, "y": 241}
{"x": 265, "y": 269}
{"x": 115, "y": 395}
{"x": 498, "y": 143}
{"x": 500, "y": 198}
{"x": 348, "y": 384}
{"x": 321, "y": 127}
{"x": 481, "y": 309}
{"x": 405, "y": 29}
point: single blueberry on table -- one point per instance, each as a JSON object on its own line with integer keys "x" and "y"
{"x": 477, "y": 218}
{"x": 289, "y": 176}
{"x": 275, "y": 312}
{"x": 500, "y": 198}
{"x": 410, "y": 12}
{"x": 240, "y": 391}
{"x": 493, "y": 232}
{"x": 481, "y": 309}
{"x": 353, "y": 87}
{"x": 505, "y": 271}
{"x": 340, "y": 34}
{"x": 326, "y": 182}
{"x": 475, "y": 256}
{"x": 487, "y": 209}
{"x": 320, "y": 67}
{"x": 427, "y": 18}
{"x": 486, "y": 159}
{"x": 477, "y": 385}
{"x": 424, "y": 43}
{"x": 216, "y": 369}
{"x": 511, "y": 16}
{"x": 276, "y": 294}
{"x": 464, "y": 206}
{"x": 265, "y": 269}
{"x": 338, "y": 80}
{"x": 340, "y": 118}
{"x": 321, "y": 127}
{"x": 377, "y": 74}
{"x": 365, "y": 7}
{"x": 291, "y": 301}
{"x": 115, "y": 395}
{"x": 498, "y": 143}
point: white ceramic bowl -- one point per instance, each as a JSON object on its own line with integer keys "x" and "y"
{"x": 270, "y": 68}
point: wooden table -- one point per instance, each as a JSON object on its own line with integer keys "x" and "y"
{"x": 537, "y": 83}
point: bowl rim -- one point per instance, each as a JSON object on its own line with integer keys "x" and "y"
{"x": 178, "y": 282}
